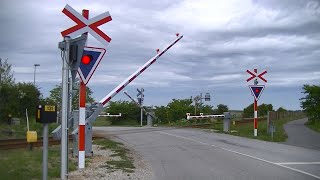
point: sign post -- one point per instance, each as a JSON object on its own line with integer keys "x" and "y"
{"x": 45, "y": 114}
{"x": 140, "y": 100}
{"x": 256, "y": 91}
{"x": 84, "y": 26}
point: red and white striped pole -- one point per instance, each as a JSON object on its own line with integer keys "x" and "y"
{"x": 255, "y": 116}
{"x": 82, "y": 115}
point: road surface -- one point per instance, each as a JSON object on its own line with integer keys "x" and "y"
{"x": 302, "y": 136}
{"x": 191, "y": 154}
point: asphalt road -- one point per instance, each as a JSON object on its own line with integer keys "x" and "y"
{"x": 302, "y": 136}
{"x": 195, "y": 154}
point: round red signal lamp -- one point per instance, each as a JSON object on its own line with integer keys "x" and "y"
{"x": 86, "y": 59}
{"x": 257, "y": 90}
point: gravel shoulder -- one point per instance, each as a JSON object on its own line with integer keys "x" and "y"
{"x": 97, "y": 167}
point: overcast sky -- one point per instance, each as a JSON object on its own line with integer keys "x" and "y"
{"x": 222, "y": 39}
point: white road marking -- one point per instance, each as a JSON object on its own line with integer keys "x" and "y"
{"x": 297, "y": 163}
{"x": 253, "y": 157}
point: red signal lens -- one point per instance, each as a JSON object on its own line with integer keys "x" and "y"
{"x": 86, "y": 59}
{"x": 257, "y": 90}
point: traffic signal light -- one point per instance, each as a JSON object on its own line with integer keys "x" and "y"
{"x": 90, "y": 59}
{"x": 86, "y": 59}
{"x": 75, "y": 54}
{"x": 207, "y": 97}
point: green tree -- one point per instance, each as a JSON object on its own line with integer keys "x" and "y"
{"x": 129, "y": 111}
{"x": 207, "y": 109}
{"x": 281, "y": 109}
{"x": 262, "y": 110}
{"x": 178, "y": 108}
{"x": 8, "y": 92}
{"x": 248, "y": 111}
{"x": 161, "y": 112}
{"x": 6, "y": 74}
{"x": 221, "y": 108}
{"x": 8, "y": 101}
{"x": 311, "y": 102}
{"x": 28, "y": 97}
{"x": 55, "y": 97}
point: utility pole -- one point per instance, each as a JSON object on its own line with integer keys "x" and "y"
{"x": 64, "y": 110}
{"x": 34, "y": 73}
{"x": 140, "y": 100}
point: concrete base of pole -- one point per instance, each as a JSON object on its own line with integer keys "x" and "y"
{"x": 255, "y": 132}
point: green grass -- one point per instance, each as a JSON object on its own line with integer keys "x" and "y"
{"x": 104, "y": 121}
{"x": 126, "y": 162}
{"x": 25, "y": 164}
{"x": 315, "y": 125}
{"x": 246, "y": 130}
{"x": 20, "y": 131}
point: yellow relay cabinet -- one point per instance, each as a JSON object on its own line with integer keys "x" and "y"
{"x": 32, "y": 136}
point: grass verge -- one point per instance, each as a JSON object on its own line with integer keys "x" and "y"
{"x": 25, "y": 164}
{"x": 315, "y": 125}
{"x": 246, "y": 130}
{"x": 104, "y": 121}
{"x": 20, "y": 131}
{"x": 125, "y": 162}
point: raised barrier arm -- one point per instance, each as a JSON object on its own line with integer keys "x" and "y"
{"x": 127, "y": 81}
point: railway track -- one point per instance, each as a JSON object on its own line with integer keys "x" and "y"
{"x": 6, "y": 144}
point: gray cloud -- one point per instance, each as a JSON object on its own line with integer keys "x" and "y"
{"x": 221, "y": 41}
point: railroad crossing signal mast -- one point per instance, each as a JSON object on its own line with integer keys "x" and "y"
{"x": 140, "y": 100}
{"x": 256, "y": 91}
{"x": 73, "y": 51}
{"x": 74, "y": 60}
{"x": 138, "y": 104}
{"x": 200, "y": 98}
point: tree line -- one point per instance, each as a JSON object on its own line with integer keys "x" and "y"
{"x": 175, "y": 110}
{"x": 15, "y": 97}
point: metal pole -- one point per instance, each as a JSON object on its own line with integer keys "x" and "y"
{"x": 255, "y": 123}
{"x": 34, "y": 73}
{"x": 141, "y": 114}
{"x": 200, "y": 102}
{"x": 82, "y": 115}
{"x": 195, "y": 107}
{"x": 64, "y": 111}
{"x": 268, "y": 122}
{"x": 141, "y": 111}
{"x": 82, "y": 125}
{"x": 45, "y": 152}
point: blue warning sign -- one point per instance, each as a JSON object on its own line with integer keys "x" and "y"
{"x": 91, "y": 58}
{"x": 256, "y": 90}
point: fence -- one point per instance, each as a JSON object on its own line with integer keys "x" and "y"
{"x": 288, "y": 115}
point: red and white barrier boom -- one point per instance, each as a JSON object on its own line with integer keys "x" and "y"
{"x": 110, "y": 115}
{"x": 203, "y": 116}
{"x": 107, "y": 98}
